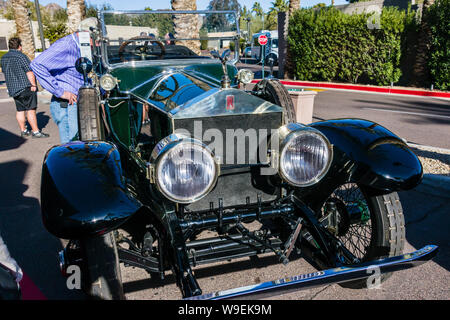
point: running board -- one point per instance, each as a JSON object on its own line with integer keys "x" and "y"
{"x": 324, "y": 277}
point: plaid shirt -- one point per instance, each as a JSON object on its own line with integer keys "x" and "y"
{"x": 15, "y": 66}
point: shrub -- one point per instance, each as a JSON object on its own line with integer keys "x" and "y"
{"x": 232, "y": 46}
{"x": 439, "y": 57}
{"x": 328, "y": 45}
{"x": 55, "y": 31}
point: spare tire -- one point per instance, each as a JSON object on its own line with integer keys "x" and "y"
{"x": 90, "y": 125}
{"x": 274, "y": 91}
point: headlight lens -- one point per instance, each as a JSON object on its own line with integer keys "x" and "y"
{"x": 245, "y": 76}
{"x": 305, "y": 157}
{"x": 186, "y": 172}
{"x": 108, "y": 82}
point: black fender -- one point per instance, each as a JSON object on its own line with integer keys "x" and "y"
{"x": 83, "y": 191}
{"x": 372, "y": 155}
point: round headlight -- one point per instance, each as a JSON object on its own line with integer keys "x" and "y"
{"x": 108, "y": 82}
{"x": 305, "y": 157}
{"x": 245, "y": 76}
{"x": 186, "y": 170}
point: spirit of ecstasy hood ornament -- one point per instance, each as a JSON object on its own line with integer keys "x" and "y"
{"x": 224, "y": 58}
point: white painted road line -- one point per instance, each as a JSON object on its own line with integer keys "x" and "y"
{"x": 412, "y": 113}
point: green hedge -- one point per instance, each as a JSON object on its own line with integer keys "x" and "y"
{"x": 328, "y": 45}
{"x": 438, "y": 18}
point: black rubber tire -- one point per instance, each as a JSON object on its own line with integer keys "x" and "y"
{"x": 90, "y": 125}
{"x": 102, "y": 279}
{"x": 275, "y": 92}
{"x": 388, "y": 231}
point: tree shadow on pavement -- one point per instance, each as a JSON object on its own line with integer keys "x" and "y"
{"x": 433, "y": 112}
{"x": 34, "y": 249}
{"x": 419, "y": 104}
{"x": 427, "y": 218}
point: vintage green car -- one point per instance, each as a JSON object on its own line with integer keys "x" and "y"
{"x": 171, "y": 144}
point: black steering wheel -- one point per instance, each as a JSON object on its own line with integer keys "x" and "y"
{"x": 144, "y": 50}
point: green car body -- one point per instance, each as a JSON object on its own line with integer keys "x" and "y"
{"x": 113, "y": 180}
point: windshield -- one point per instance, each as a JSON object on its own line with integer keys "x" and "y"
{"x": 161, "y": 35}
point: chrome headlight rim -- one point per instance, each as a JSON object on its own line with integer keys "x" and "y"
{"x": 105, "y": 77}
{"x": 163, "y": 148}
{"x": 291, "y": 132}
{"x": 243, "y": 73}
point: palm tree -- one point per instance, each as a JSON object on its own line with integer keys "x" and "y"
{"x": 258, "y": 10}
{"x": 76, "y": 10}
{"x": 186, "y": 25}
{"x": 272, "y": 17}
{"x": 279, "y": 6}
{"x": 245, "y": 13}
{"x": 23, "y": 27}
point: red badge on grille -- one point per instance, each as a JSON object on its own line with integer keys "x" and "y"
{"x": 230, "y": 102}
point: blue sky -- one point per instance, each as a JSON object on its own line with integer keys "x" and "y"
{"x": 165, "y": 4}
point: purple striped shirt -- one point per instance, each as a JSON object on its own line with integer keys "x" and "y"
{"x": 55, "y": 67}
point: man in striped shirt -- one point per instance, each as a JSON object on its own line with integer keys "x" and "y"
{"x": 55, "y": 70}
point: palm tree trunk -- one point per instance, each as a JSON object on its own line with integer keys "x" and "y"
{"x": 76, "y": 10}
{"x": 23, "y": 27}
{"x": 186, "y": 25}
{"x": 289, "y": 66}
{"x": 421, "y": 73}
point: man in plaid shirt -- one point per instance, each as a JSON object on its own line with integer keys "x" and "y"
{"x": 21, "y": 84}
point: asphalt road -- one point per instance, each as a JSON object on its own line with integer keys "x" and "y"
{"x": 419, "y": 120}
{"x": 36, "y": 250}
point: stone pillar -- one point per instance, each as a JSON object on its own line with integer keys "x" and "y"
{"x": 303, "y": 105}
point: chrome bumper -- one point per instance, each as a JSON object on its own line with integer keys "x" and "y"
{"x": 325, "y": 277}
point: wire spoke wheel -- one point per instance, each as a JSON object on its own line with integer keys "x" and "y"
{"x": 369, "y": 225}
{"x": 346, "y": 214}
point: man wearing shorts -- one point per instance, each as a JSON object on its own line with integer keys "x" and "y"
{"x": 21, "y": 84}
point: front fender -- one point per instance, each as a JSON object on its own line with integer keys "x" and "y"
{"x": 375, "y": 156}
{"x": 83, "y": 191}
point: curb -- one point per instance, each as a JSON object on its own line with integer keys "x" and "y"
{"x": 435, "y": 185}
{"x": 428, "y": 148}
{"x": 372, "y": 89}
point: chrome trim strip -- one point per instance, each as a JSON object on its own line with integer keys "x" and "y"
{"x": 145, "y": 82}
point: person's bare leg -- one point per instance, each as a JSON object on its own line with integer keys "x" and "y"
{"x": 20, "y": 116}
{"x": 144, "y": 113}
{"x": 32, "y": 120}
